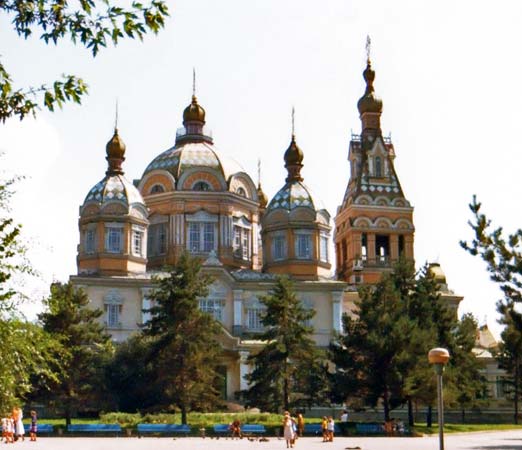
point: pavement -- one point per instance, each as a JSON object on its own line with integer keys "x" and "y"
{"x": 501, "y": 440}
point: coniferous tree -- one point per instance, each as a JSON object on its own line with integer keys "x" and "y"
{"x": 83, "y": 351}
{"x": 184, "y": 349}
{"x": 288, "y": 356}
{"x": 509, "y": 353}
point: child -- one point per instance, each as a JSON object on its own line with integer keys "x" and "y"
{"x": 331, "y": 428}
{"x": 8, "y": 429}
{"x": 4, "y": 429}
{"x": 34, "y": 426}
{"x": 324, "y": 428}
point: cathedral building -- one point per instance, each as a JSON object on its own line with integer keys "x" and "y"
{"x": 191, "y": 197}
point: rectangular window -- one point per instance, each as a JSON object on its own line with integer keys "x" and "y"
{"x": 113, "y": 239}
{"x": 242, "y": 242}
{"x": 194, "y": 240}
{"x": 137, "y": 242}
{"x": 157, "y": 239}
{"x": 208, "y": 238}
{"x": 254, "y": 319}
{"x": 113, "y": 315}
{"x": 90, "y": 241}
{"x": 201, "y": 237}
{"x": 303, "y": 246}
{"x": 213, "y": 307}
{"x": 279, "y": 248}
{"x": 323, "y": 247}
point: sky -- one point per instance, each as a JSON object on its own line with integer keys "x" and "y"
{"x": 447, "y": 73}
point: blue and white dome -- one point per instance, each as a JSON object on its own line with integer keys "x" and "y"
{"x": 114, "y": 188}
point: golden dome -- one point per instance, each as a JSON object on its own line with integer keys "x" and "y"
{"x": 369, "y": 102}
{"x": 194, "y": 112}
{"x": 115, "y": 147}
{"x": 263, "y": 199}
{"x": 293, "y": 155}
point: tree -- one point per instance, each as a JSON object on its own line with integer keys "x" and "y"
{"x": 382, "y": 355}
{"x": 289, "y": 355}
{"x": 502, "y": 254}
{"x": 91, "y": 23}
{"x": 509, "y": 354}
{"x": 84, "y": 349}
{"x": 184, "y": 350}
{"x": 131, "y": 377}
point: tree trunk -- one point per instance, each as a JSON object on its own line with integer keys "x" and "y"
{"x": 286, "y": 394}
{"x": 411, "y": 419}
{"x": 67, "y": 415}
{"x": 183, "y": 415}
{"x": 516, "y": 389}
{"x": 429, "y": 417}
{"x": 463, "y": 415}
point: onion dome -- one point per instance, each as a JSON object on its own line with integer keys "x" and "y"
{"x": 115, "y": 149}
{"x": 261, "y": 196}
{"x": 114, "y": 187}
{"x": 194, "y": 112}
{"x": 294, "y": 161}
{"x": 369, "y": 102}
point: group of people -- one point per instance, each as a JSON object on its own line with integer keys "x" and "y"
{"x": 293, "y": 427}
{"x": 328, "y": 427}
{"x": 13, "y": 426}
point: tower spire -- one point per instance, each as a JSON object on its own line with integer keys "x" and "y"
{"x": 368, "y": 48}
{"x": 116, "y": 117}
{"x": 193, "y": 82}
{"x": 293, "y": 122}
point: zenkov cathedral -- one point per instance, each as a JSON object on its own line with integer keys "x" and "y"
{"x": 193, "y": 198}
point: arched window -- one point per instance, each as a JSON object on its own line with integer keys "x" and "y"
{"x": 157, "y": 189}
{"x": 202, "y": 186}
{"x": 241, "y": 191}
{"x": 378, "y": 167}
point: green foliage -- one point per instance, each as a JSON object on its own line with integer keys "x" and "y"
{"x": 382, "y": 355}
{"x": 83, "y": 351}
{"x": 184, "y": 349}
{"x": 288, "y": 367}
{"x": 502, "y": 254}
{"x": 509, "y": 354}
{"x": 93, "y": 24}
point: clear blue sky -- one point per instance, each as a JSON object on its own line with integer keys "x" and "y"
{"x": 448, "y": 73}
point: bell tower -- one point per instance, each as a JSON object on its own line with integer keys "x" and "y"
{"x": 374, "y": 223}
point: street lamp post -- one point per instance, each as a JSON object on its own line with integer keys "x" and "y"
{"x": 439, "y": 357}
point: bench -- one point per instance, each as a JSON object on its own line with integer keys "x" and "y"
{"x": 317, "y": 429}
{"x": 41, "y": 428}
{"x": 251, "y": 429}
{"x": 162, "y": 428}
{"x": 105, "y": 428}
{"x": 222, "y": 429}
{"x": 369, "y": 428}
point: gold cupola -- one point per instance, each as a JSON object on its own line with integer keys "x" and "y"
{"x": 294, "y": 161}
{"x": 369, "y": 102}
{"x": 194, "y": 112}
{"x": 115, "y": 150}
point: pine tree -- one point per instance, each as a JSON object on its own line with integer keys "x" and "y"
{"x": 83, "y": 351}
{"x": 184, "y": 350}
{"x": 288, "y": 356}
{"x": 509, "y": 353}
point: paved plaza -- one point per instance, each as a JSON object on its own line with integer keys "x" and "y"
{"x": 505, "y": 440}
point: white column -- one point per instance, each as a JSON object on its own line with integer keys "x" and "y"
{"x": 337, "y": 310}
{"x": 243, "y": 370}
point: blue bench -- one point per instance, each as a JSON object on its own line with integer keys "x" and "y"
{"x": 369, "y": 428}
{"x": 41, "y": 428}
{"x": 317, "y": 429}
{"x": 253, "y": 429}
{"x": 222, "y": 429}
{"x": 108, "y": 428}
{"x": 162, "y": 428}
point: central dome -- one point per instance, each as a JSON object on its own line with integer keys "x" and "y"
{"x": 178, "y": 159}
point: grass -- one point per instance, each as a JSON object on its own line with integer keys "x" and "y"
{"x": 465, "y": 428}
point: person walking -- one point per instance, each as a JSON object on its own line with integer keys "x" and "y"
{"x": 330, "y": 427}
{"x": 300, "y": 424}
{"x": 34, "y": 426}
{"x": 19, "y": 425}
{"x": 344, "y": 422}
{"x": 288, "y": 430}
